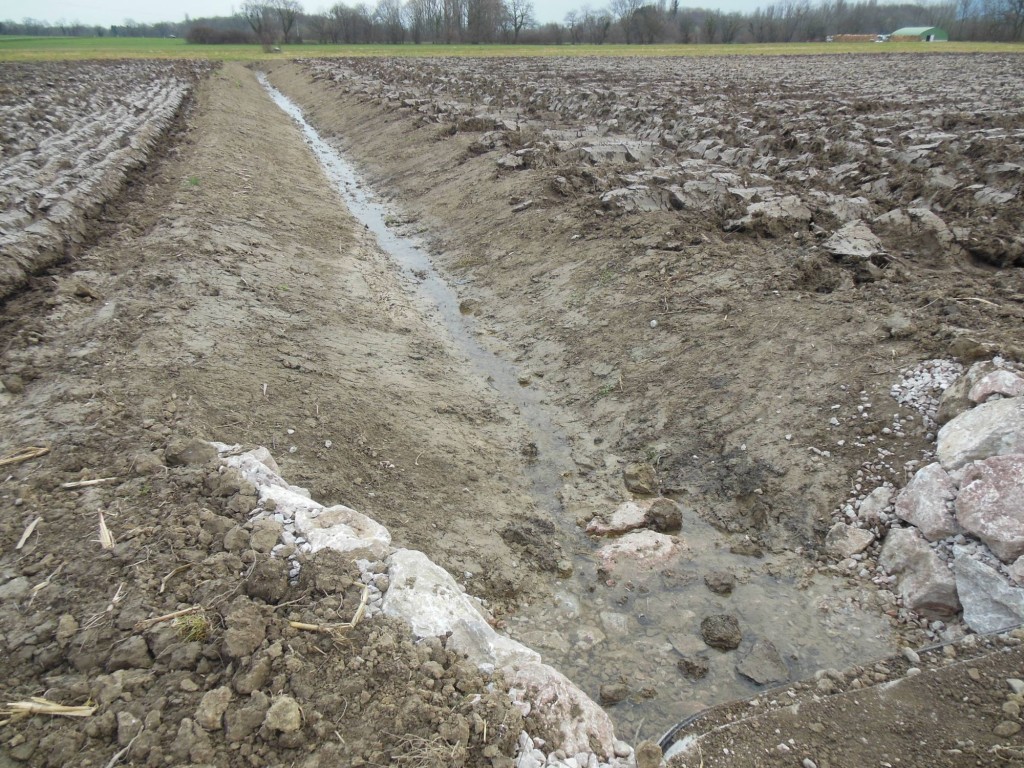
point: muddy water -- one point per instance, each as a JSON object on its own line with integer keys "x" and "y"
{"x": 635, "y": 629}
{"x": 436, "y": 296}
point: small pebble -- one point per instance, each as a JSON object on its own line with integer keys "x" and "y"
{"x": 808, "y": 763}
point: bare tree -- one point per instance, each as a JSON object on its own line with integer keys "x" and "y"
{"x": 624, "y": 11}
{"x": 453, "y": 19}
{"x": 1013, "y": 12}
{"x": 390, "y": 15}
{"x": 287, "y": 13}
{"x": 260, "y": 17}
{"x": 483, "y": 18}
{"x": 520, "y": 15}
{"x": 425, "y": 19}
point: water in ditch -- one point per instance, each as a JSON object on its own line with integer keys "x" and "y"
{"x": 629, "y": 634}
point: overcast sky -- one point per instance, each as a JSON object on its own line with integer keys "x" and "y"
{"x": 107, "y": 12}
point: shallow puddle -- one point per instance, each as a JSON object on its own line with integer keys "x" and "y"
{"x": 634, "y": 631}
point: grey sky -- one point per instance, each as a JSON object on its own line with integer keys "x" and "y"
{"x": 107, "y": 12}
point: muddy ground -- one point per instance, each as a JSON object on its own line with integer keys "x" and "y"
{"x": 228, "y": 296}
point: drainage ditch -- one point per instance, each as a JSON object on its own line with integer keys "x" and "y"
{"x": 635, "y": 638}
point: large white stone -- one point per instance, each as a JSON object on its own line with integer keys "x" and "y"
{"x": 428, "y": 598}
{"x": 923, "y": 580}
{"x": 342, "y": 529}
{"x": 926, "y": 502}
{"x": 991, "y": 504}
{"x": 992, "y": 429}
{"x": 561, "y": 708}
{"x": 990, "y": 602}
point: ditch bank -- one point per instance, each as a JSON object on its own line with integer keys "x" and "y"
{"x": 669, "y": 582}
{"x": 672, "y": 341}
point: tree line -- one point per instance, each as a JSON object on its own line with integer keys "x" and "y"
{"x": 282, "y": 22}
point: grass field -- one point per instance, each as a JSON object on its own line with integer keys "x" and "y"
{"x": 55, "y": 48}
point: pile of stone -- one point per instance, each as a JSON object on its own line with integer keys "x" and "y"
{"x": 406, "y": 584}
{"x": 957, "y": 536}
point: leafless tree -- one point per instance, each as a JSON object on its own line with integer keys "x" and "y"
{"x": 287, "y": 12}
{"x": 390, "y": 16}
{"x": 483, "y": 18}
{"x": 453, "y": 19}
{"x": 1013, "y": 13}
{"x": 260, "y": 17}
{"x": 520, "y": 15}
{"x": 425, "y": 19}
{"x": 624, "y": 11}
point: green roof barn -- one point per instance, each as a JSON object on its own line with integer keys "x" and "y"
{"x": 924, "y": 34}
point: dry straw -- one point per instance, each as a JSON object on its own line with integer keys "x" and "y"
{"x": 25, "y": 454}
{"x": 28, "y": 532}
{"x": 356, "y": 618}
{"x": 106, "y": 539}
{"x": 17, "y": 710}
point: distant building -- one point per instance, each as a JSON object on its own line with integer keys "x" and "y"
{"x": 920, "y": 34}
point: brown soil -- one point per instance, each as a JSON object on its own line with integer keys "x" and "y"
{"x": 233, "y": 299}
{"x": 236, "y": 300}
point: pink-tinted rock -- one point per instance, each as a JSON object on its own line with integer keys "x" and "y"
{"x": 927, "y": 503}
{"x": 991, "y": 504}
{"x": 577, "y": 723}
{"x": 627, "y": 517}
{"x": 844, "y": 540}
{"x": 954, "y": 400}
{"x": 1000, "y": 382}
{"x": 995, "y": 428}
{"x": 924, "y": 582}
{"x": 875, "y": 503}
{"x": 639, "y": 549}
{"x": 660, "y": 514}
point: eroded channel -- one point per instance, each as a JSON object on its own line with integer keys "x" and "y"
{"x": 637, "y": 635}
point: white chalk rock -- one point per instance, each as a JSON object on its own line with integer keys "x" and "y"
{"x": 427, "y": 597}
{"x": 562, "y": 708}
{"x": 845, "y": 540}
{"x": 259, "y": 468}
{"x": 290, "y": 500}
{"x": 342, "y": 529}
